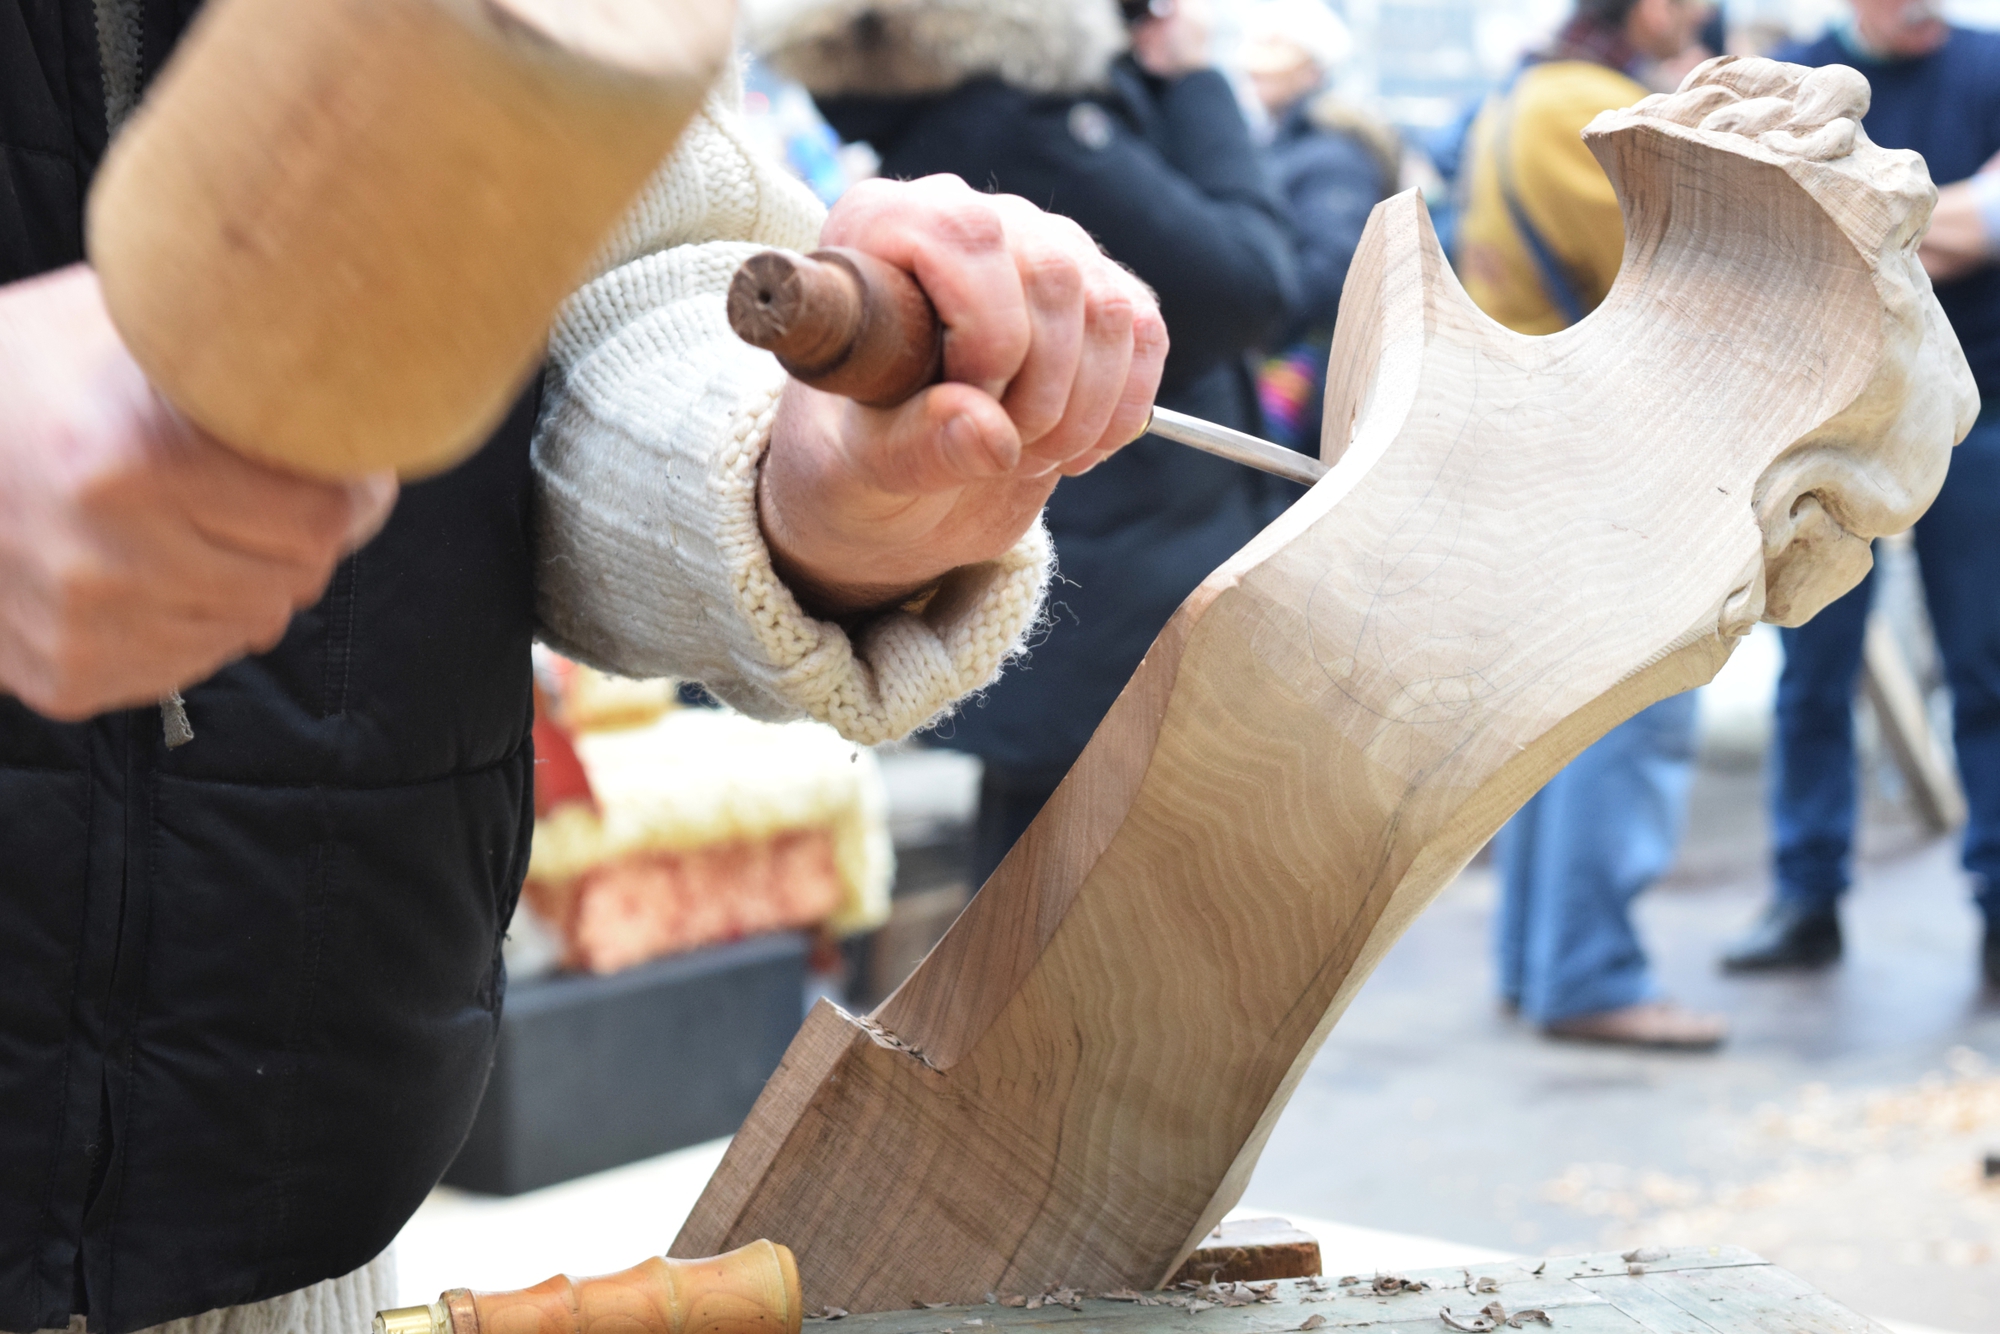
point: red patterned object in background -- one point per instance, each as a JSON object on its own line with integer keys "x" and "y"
{"x": 559, "y": 775}
{"x": 661, "y": 829}
{"x": 646, "y": 905}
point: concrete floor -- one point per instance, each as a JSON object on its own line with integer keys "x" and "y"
{"x": 1839, "y": 1133}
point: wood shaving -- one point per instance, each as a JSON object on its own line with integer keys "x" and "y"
{"x": 1387, "y": 1285}
{"x": 1014, "y": 1301}
{"x": 887, "y": 1039}
{"x": 829, "y": 1313}
{"x": 1472, "y": 1324}
{"x": 1136, "y": 1298}
{"x": 1484, "y": 1284}
{"x": 1313, "y": 1322}
{"x": 1645, "y": 1254}
{"x": 1497, "y": 1313}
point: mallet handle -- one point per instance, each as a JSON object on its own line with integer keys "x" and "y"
{"x": 857, "y": 326}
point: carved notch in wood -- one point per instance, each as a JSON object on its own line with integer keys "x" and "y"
{"x": 1523, "y": 542}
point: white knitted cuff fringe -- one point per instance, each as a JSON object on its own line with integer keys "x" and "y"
{"x": 344, "y": 1305}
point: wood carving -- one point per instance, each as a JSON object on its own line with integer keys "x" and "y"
{"x": 336, "y": 232}
{"x": 1523, "y": 542}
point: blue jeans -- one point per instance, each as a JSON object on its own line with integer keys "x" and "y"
{"x": 1813, "y": 778}
{"x": 1573, "y": 859}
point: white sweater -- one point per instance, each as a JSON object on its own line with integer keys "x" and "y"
{"x": 652, "y": 562}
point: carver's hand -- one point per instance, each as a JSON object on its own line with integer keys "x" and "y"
{"x": 137, "y": 554}
{"x": 1963, "y": 234}
{"x": 1052, "y": 356}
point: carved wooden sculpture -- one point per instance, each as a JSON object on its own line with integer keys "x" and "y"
{"x": 1523, "y": 542}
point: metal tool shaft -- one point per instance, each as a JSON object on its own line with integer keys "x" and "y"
{"x": 1236, "y": 446}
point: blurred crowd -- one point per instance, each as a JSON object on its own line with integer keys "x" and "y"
{"x": 1209, "y": 148}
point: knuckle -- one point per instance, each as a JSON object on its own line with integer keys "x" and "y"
{"x": 1112, "y": 315}
{"x": 971, "y": 225}
{"x": 945, "y": 183}
{"x": 1149, "y": 331}
{"x": 1053, "y": 276}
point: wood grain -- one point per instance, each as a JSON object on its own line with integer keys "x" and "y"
{"x": 335, "y": 233}
{"x": 1523, "y": 542}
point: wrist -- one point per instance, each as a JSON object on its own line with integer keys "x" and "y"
{"x": 828, "y": 585}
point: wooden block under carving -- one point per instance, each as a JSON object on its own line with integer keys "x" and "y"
{"x": 1251, "y": 1250}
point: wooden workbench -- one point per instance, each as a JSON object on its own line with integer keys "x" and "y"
{"x": 1686, "y": 1290}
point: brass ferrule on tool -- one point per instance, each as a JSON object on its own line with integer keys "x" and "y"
{"x": 414, "y": 1320}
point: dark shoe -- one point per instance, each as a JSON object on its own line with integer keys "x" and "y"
{"x": 1789, "y": 935}
{"x": 1989, "y": 955}
{"x": 1660, "y": 1023}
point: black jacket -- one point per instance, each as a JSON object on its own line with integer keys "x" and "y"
{"x": 249, "y": 988}
{"x": 1165, "y": 177}
{"x": 1331, "y": 181}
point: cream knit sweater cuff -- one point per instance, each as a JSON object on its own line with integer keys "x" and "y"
{"x": 651, "y": 559}
{"x": 653, "y": 562}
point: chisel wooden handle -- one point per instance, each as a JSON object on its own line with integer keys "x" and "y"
{"x": 754, "y": 1290}
{"x": 336, "y": 231}
{"x": 841, "y": 321}
{"x": 857, "y": 326}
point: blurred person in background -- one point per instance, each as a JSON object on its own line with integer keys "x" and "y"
{"x": 1936, "y": 90}
{"x": 1333, "y": 163}
{"x": 1149, "y": 153}
{"x": 1541, "y": 241}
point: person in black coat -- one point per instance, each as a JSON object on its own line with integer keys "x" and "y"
{"x": 1150, "y": 154}
{"x": 1333, "y": 163}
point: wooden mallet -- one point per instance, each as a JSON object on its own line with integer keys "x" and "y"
{"x": 335, "y": 233}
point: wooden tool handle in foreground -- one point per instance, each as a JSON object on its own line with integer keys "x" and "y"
{"x": 851, "y": 324}
{"x": 841, "y": 321}
{"x": 754, "y": 1290}
{"x": 335, "y": 233}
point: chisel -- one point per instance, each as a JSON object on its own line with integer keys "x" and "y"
{"x": 857, "y": 326}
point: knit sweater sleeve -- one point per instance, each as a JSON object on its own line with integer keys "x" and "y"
{"x": 650, "y": 558}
